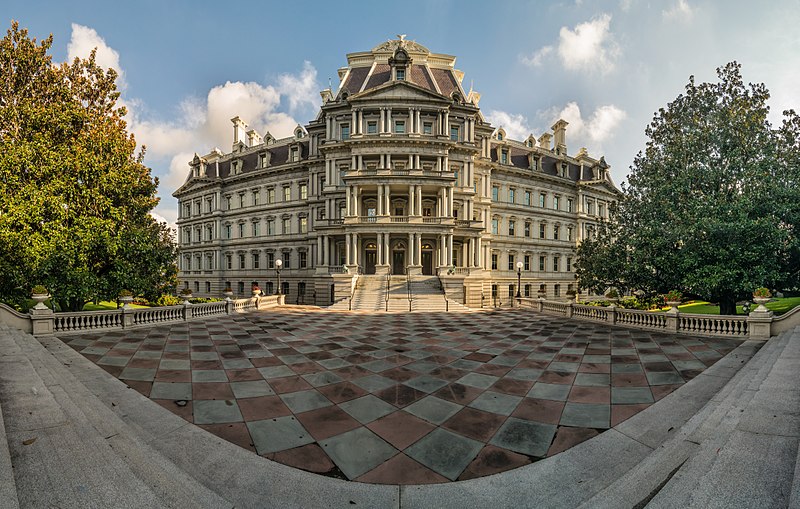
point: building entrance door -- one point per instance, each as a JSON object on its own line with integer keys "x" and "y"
{"x": 427, "y": 263}
{"x": 398, "y": 262}
{"x": 370, "y": 258}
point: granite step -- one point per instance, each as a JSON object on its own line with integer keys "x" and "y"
{"x": 93, "y": 458}
{"x": 8, "y": 487}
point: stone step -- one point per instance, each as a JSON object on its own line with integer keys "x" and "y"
{"x": 8, "y": 487}
{"x": 104, "y": 460}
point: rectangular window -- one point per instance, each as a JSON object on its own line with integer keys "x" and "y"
{"x": 569, "y": 204}
{"x": 504, "y": 156}
{"x": 286, "y": 260}
{"x": 511, "y": 291}
{"x": 556, "y": 263}
{"x": 208, "y": 286}
{"x": 197, "y": 286}
{"x": 227, "y": 203}
{"x": 569, "y": 264}
{"x": 227, "y": 231}
{"x": 303, "y": 191}
{"x": 541, "y": 263}
{"x": 269, "y": 287}
{"x": 399, "y": 126}
{"x": 557, "y": 290}
{"x": 556, "y": 200}
{"x": 527, "y": 262}
{"x": 542, "y": 199}
{"x": 256, "y": 260}
{"x": 512, "y": 228}
{"x": 295, "y": 154}
{"x": 271, "y": 195}
{"x": 303, "y": 259}
{"x": 400, "y": 74}
{"x": 255, "y": 197}
{"x": 241, "y": 200}
{"x": 494, "y": 261}
{"x": 256, "y": 232}
{"x": 590, "y": 207}
{"x": 512, "y": 194}
{"x": 270, "y": 260}
{"x": 556, "y": 232}
{"x": 187, "y": 210}
{"x": 454, "y": 133}
{"x": 270, "y": 227}
{"x": 510, "y": 262}
{"x": 372, "y": 127}
{"x": 542, "y": 230}
{"x": 303, "y": 224}
{"x": 241, "y": 261}
{"x": 229, "y": 261}
{"x": 345, "y": 131}
{"x": 427, "y": 128}
{"x": 241, "y": 230}
{"x": 262, "y": 160}
{"x": 287, "y": 193}
{"x": 569, "y": 233}
{"x": 527, "y": 198}
{"x": 287, "y": 226}
{"x": 527, "y": 228}
{"x": 527, "y": 290}
{"x": 495, "y": 226}
{"x": 495, "y": 193}
{"x": 241, "y": 287}
{"x": 601, "y": 210}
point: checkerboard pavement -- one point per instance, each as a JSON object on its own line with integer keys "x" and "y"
{"x": 401, "y": 398}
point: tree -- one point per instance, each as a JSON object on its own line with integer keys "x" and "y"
{"x": 712, "y": 205}
{"x": 75, "y": 195}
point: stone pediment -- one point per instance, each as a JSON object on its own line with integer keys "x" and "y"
{"x": 601, "y": 185}
{"x": 399, "y": 90}
{"x": 192, "y": 183}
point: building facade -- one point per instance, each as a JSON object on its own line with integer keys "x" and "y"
{"x": 399, "y": 173}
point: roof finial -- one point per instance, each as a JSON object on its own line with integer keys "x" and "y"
{"x": 329, "y": 82}
{"x": 402, "y": 37}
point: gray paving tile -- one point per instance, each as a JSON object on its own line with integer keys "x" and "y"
{"x": 138, "y": 374}
{"x": 293, "y": 359}
{"x": 496, "y": 402}
{"x": 322, "y": 378}
{"x": 593, "y": 379}
{"x": 236, "y": 364}
{"x": 444, "y": 452}
{"x": 215, "y": 411}
{"x": 478, "y": 380}
{"x": 374, "y": 383}
{"x": 276, "y": 372}
{"x": 690, "y": 364}
{"x": 278, "y": 434}
{"x": 529, "y": 374}
{"x": 204, "y": 356}
{"x": 526, "y": 437}
{"x": 333, "y": 363}
{"x": 357, "y": 451}
{"x": 626, "y": 368}
{"x": 303, "y": 401}
{"x": 433, "y": 409}
{"x": 422, "y": 366}
{"x": 503, "y": 360}
{"x": 554, "y": 392}
{"x": 209, "y": 375}
{"x": 146, "y": 354}
{"x": 466, "y": 364}
{"x": 181, "y": 364}
{"x": 426, "y": 383}
{"x": 586, "y": 415}
{"x": 597, "y": 359}
{"x": 564, "y": 367}
{"x": 631, "y": 395}
{"x": 95, "y": 350}
{"x": 666, "y": 378}
{"x": 113, "y": 360}
{"x": 367, "y": 408}
{"x": 251, "y": 389}
{"x": 378, "y": 366}
{"x": 171, "y": 390}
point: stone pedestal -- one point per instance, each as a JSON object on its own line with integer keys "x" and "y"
{"x": 42, "y": 321}
{"x": 414, "y": 270}
{"x": 759, "y": 324}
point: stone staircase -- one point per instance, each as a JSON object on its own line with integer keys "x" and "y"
{"x": 427, "y": 295}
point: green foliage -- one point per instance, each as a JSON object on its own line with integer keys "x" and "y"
{"x": 712, "y": 205}
{"x": 39, "y": 290}
{"x": 612, "y": 294}
{"x": 673, "y": 296}
{"x": 74, "y": 195}
{"x": 186, "y": 291}
{"x": 125, "y": 293}
{"x": 762, "y": 292}
{"x": 167, "y": 300}
{"x": 204, "y": 300}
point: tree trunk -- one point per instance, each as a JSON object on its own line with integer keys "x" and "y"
{"x": 727, "y": 305}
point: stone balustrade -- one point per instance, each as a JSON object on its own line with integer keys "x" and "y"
{"x": 43, "y": 322}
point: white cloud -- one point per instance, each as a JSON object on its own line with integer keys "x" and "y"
{"x": 302, "y": 90}
{"x": 590, "y": 46}
{"x": 680, "y": 11}
{"x": 537, "y": 59}
{"x": 590, "y": 132}
{"x": 625, "y": 5}
{"x": 84, "y": 40}
{"x": 516, "y": 126}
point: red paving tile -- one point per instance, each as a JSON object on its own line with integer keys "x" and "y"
{"x": 265, "y": 362}
{"x": 400, "y": 395}
{"x": 327, "y": 422}
{"x": 620, "y": 413}
{"x": 590, "y": 367}
{"x": 289, "y": 384}
{"x": 660, "y": 391}
{"x": 263, "y": 407}
{"x": 475, "y": 424}
{"x": 215, "y": 390}
{"x": 235, "y": 432}
{"x": 142, "y": 388}
{"x": 493, "y": 460}
{"x": 174, "y": 375}
{"x": 567, "y": 437}
{"x": 458, "y": 393}
{"x": 512, "y": 386}
{"x": 309, "y": 457}
{"x": 243, "y": 375}
{"x": 557, "y": 377}
{"x": 600, "y": 395}
{"x": 341, "y": 392}
{"x": 539, "y": 410}
{"x": 181, "y": 411}
{"x": 401, "y": 469}
{"x": 401, "y": 429}
{"x": 629, "y": 380}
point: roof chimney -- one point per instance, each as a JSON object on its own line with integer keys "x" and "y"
{"x": 560, "y": 131}
{"x": 239, "y": 131}
{"x": 544, "y": 141}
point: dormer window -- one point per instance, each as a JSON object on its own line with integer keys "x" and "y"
{"x": 295, "y": 154}
{"x": 504, "y": 156}
{"x": 500, "y": 136}
{"x": 400, "y": 62}
{"x": 401, "y": 74}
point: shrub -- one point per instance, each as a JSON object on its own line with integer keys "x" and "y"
{"x": 203, "y": 300}
{"x": 673, "y": 296}
{"x": 186, "y": 291}
{"x": 612, "y": 294}
{"x": 39, "y": 290}
{"x": 167, "y": 300}
{"x": 125, "y": 293}
{"x": 762, "y": 292}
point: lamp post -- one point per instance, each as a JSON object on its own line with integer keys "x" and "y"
{"x": 278, "y": 265}
{"x": 519, "y": 281}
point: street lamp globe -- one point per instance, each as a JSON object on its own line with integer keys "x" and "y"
{"x": 520, "y": 265}
{"x": 278, "y": 264}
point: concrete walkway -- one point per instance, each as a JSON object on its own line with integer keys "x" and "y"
{"x": 78, "y": 437}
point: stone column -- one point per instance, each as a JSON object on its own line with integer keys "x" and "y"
{"x": 410, "y": 250}
{"x": 419, "y": 124}
{"x": 382, "y": 122}
{"x": 386, "y": 251}
{"x": 347, "y": 245}
{"x": 348, "y": 201}
{"x": 379, "y": 245}
{"x": 449, "y": 260}
{"x": 418, "y": 249}
{"x": 411, "y": 193}
{"x": 387, "y": 194}
{"x": 380, "y": 201}
{"x": 419, "y": 201}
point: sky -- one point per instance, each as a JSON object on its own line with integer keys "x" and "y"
{"x": 187, "y": 67}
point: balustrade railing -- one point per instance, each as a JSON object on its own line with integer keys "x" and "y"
{"x": 87, "y": 320}
{"x": 157, "y": 315}
{"x": 713, "y": 325}
{"x": 590, "y": 312}
{"x": 432, "y": 220}
{"x": 642, "y": 319}
{"x": 399, "y": 219}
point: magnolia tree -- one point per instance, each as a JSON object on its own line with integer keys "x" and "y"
{"x": 75, "y": 196}
{"x": 712, "y": 205}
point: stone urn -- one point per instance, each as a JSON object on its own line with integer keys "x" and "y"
{"x": 126, "y": 300}
{"x": 673, "y": 305}
{"x": 40, "y": 298}
{"x": 761, "y": 301}
{"x": 186, "y": 296}
{"x": 228, "y": 294}
{"x": 256, "y": 292}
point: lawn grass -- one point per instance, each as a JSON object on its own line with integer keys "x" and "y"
{"x": 105, "y": 306}
{"x": 777, "y": 306}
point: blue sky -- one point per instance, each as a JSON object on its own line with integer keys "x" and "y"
{"x": 606, "y": 66}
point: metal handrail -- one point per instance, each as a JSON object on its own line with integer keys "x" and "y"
{"x": 353, "y": 292}
{"x": 408, "y": 287}
{"x": 388, "y": 289}
{"x": 444, "y": 294}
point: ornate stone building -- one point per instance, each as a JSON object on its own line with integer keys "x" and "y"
{"x": 399, "y": 173}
